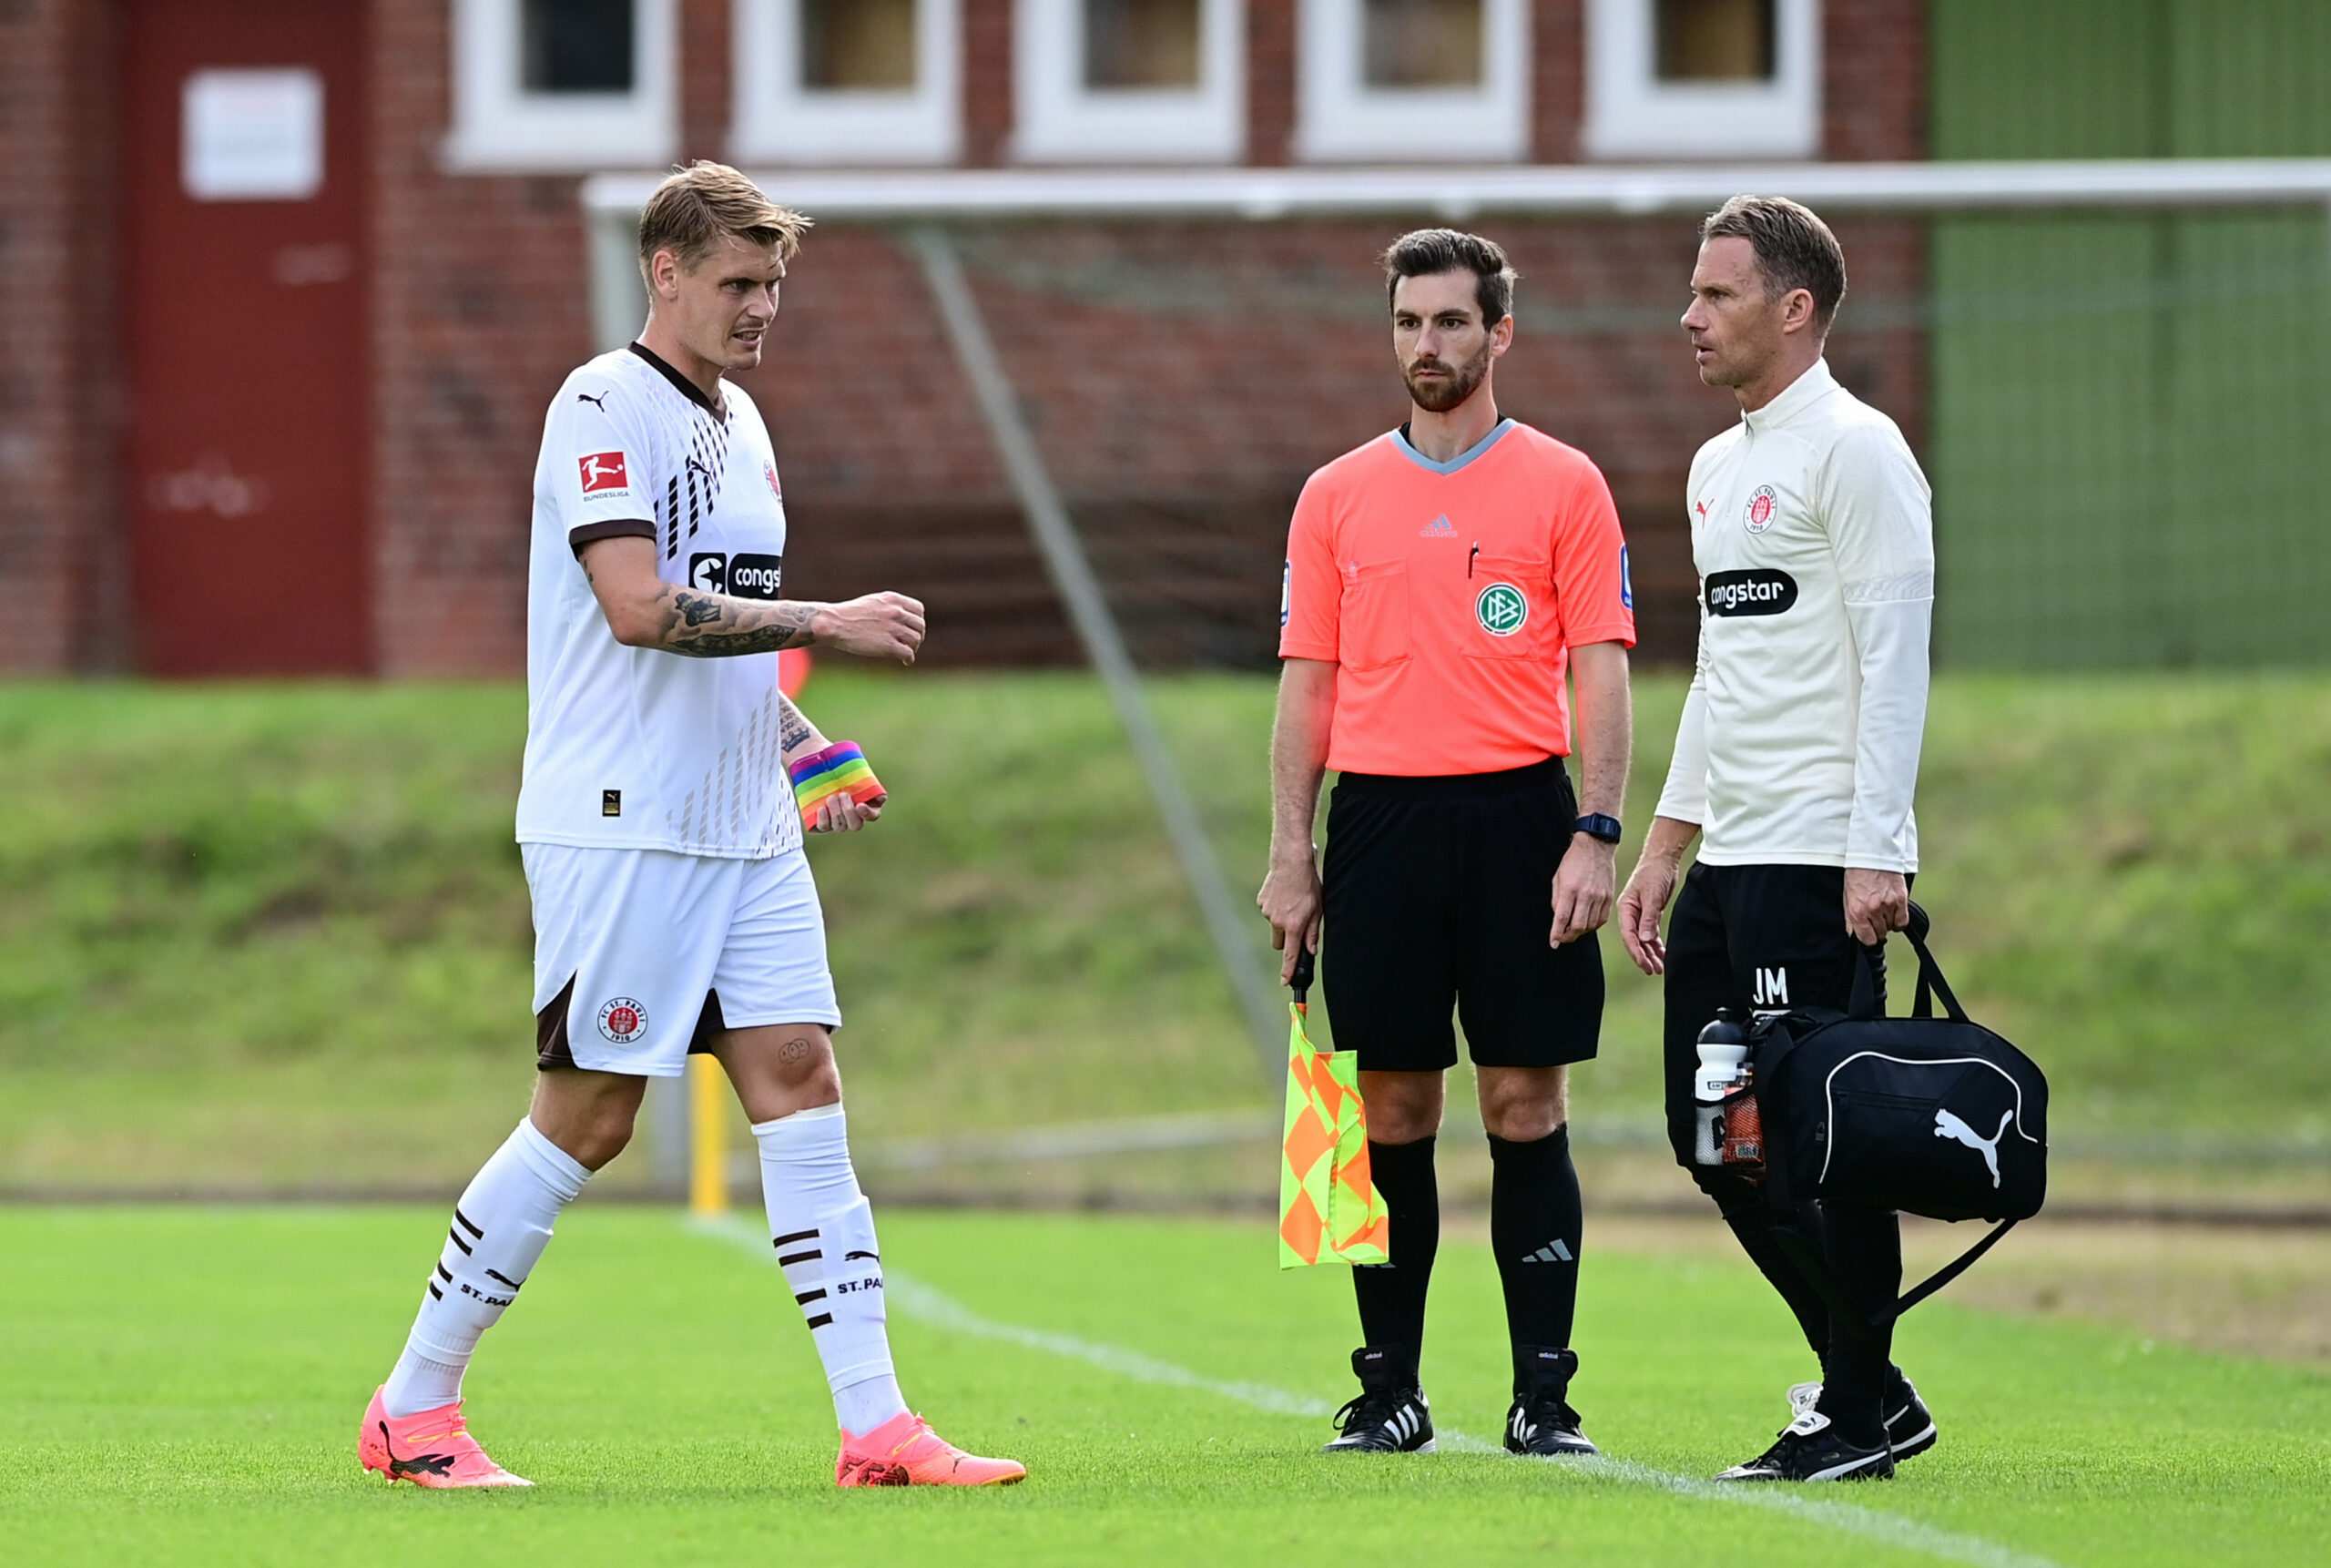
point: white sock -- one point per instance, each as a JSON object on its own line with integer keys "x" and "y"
{"x": 823, "y": 1229}
{"x": 500, "y": 1227}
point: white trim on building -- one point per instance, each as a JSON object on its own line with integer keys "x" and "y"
{"x": 1631, "y": 113}
{"x": 1061, "y": 121}
{"x": 1340, "y": 119}
{"x": 778, "y": 120}
{"x": 500, "y": 126}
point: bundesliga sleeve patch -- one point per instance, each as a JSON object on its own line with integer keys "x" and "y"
{"x": 604, "y": 473}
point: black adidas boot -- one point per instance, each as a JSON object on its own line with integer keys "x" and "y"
{"x": 1390, "y": 1415}
{"x": 1542, "y": 1422}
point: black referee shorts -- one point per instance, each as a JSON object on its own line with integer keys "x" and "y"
{"x": 1751, "y": 937}
{"x": 1439, "y": 895}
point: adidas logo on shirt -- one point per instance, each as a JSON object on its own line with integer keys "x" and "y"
{"x": 1552, "y": 1252}
{"x": 1439, "y": 528}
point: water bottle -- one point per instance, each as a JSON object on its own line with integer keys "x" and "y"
{"x": 1724, "y": 1067}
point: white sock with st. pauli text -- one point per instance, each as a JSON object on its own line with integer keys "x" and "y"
{"x": 500, "y": 1227}
{"x": 823, "y": 1230}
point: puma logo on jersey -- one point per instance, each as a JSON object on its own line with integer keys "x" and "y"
{"x": 1948, "y": 1125}
{"x": 1702, "y": 507}
{"x": 1772, "y": 987}
{"x": 600, "y": 401}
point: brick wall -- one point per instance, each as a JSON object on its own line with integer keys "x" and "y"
{"x": 479, "y": 311}
{"x": 1183, "y": 379}
{"x": 1873, "y": 80}
{"x": 63, "y": 592}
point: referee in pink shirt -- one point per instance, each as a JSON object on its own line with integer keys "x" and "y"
{"x": 1442, "y": 581}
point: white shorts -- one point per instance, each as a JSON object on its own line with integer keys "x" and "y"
{"x": 640, "y": 954}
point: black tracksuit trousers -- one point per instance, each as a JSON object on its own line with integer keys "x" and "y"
{"x": 1775, "y": 937}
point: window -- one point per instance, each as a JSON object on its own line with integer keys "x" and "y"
{"x": 576, "y": 45}
{"x": 1125, "y": 80}
{"x": 1422, "y": 44}
{"x": 551, "y": 84}
{"x": 1703, "y": 79}
{"x": 1713, "y": 40}
{"x": 846, "y": 81}
{"x": 1411, "y": 80}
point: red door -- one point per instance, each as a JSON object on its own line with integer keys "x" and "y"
{"x": 244, "y": 297}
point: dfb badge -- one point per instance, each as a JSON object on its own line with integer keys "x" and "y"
{"x": 1502, "y": 609}
{"x": 623, "y": 1021}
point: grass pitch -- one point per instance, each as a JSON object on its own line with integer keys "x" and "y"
{"x": 182, "y": 1386}
{"x": 263, "y": 938}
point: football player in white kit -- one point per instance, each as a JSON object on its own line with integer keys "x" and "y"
{"x": 661, "y": 831}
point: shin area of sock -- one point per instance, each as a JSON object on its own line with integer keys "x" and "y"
{"x": 1391, "y": 1294}
{"x": 823, "y": 1229}
{"x": 500, "y": 1226}
{"x": 1536, "y": 1222}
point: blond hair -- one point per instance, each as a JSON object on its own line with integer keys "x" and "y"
{"x": 696, "y": 206}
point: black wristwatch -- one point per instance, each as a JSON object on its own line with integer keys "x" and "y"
{"x": 1596, "y": 825}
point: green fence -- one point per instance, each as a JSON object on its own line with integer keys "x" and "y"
{"x": 2130, "y": 412}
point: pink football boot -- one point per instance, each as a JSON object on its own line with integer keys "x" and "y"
{"x": 429, "y": 1447}
{"x": 905, "y": 1451}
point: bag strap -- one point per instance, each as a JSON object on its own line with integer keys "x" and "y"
{"x": 1932, "y": 983}
{"x": 1305, "y": 962}
{"x": 1865, "y": 1327}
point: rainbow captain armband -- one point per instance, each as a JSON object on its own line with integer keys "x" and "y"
{"x": 840, "y": 769}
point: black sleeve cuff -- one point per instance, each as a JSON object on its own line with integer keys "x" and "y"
{"x": 618, "y": 528}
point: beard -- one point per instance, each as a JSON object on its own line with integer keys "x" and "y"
{"x": 1439, "y": 397}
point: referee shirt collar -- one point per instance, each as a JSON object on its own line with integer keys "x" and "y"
{"x": 1401, "y": 439}
{"x": 1800, "y": 394}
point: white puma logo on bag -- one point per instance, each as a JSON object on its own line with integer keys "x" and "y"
{"x": 1946, "y": 1126}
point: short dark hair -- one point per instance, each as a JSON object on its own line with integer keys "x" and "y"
{"x": 1794, "y": 249}
{"x": 1425, "y": 252}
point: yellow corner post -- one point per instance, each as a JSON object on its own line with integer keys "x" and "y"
{"x": 707, "y": 1138}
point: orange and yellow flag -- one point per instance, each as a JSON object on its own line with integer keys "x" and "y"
{"x": 1329, "y": 1207}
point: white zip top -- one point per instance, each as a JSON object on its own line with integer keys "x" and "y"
{"x": 1812, "y": 529}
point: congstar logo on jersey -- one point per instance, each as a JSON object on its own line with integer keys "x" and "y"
{"x": 1502, "y": 609}
{"x": 1760, "y": 591}
{"x": 747, "y": 577}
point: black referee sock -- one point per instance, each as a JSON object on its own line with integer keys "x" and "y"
{"x": 1391, "y": 1294}
{"x": 1535, "y": 1225}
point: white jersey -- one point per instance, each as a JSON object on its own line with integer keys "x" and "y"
{"x": 1812, "y": 530}
{"x": 637, "y": 749}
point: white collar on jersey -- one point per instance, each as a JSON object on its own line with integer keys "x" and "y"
{"x": 1800, "y": 394}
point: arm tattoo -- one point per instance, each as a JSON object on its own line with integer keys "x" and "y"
{"x": 714, "y": 626}
{"x": 792, "y": 728}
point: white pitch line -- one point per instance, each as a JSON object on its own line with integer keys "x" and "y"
{"x": 929, "y": 1304}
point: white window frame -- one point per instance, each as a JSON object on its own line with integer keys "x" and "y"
{"x": 1060, "y": 120}
{"x": 1631, "y": 113}
{"x": 499, "y": 127}
{"x": 1338, "y": 116}
{"x": 780, "y": 121}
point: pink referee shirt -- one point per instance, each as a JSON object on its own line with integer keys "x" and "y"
{"x": 1450, "y": 594}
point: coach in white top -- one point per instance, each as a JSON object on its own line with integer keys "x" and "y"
{"x": 1795, "y": 764}
{"x": 674, "y": 909}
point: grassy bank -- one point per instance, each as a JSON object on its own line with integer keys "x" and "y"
{"x": 280, "y": 935}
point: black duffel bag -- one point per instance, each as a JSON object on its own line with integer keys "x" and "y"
{"x": 1934, "y": 1116}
